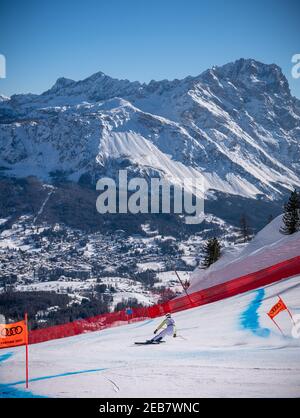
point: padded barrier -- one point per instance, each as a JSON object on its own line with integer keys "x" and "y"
{"x": 282, "y": 270}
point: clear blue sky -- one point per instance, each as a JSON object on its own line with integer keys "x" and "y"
{"x": 141, "y": 40}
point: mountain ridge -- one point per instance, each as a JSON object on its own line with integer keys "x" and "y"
{"x": 237, "y": 125}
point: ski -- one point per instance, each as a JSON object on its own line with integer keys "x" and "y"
{"x": 149, "y": 342}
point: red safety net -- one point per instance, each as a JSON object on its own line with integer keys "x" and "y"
{"x": 279, "y": 271}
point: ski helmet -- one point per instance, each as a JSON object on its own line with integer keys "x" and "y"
{"x": 168, "y": 315}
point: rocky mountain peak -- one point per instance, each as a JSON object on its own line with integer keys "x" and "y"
{"x": 253, "y": 74}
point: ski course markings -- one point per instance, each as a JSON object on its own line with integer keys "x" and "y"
{"x": 249, "y": 319}
{"x": 144, "y": 323}
{"x": 8, "y": 391}
{"x": 54, "y": 376}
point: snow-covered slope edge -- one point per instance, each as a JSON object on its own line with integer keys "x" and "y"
{"x": 268, "y": 247}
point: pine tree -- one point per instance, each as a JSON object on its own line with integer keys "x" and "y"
{"x": 291, "y": 216}
{"x": 212, "y": 252}
{"x": 245, "y": 228}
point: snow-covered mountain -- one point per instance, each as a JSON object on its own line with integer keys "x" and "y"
{"x": 237, "y": 125}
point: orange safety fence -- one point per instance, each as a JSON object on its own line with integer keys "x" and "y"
{"x": 272, "y": 274}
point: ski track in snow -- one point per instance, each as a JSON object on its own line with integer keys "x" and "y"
{"x": 43, "y": 205}
{"x": 231, "y": 335}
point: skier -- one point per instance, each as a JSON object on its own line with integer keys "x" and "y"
{"x": 170, "y": 329}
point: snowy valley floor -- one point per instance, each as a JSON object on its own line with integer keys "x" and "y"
{"x": 225, "y": 349}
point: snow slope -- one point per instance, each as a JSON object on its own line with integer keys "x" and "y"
{"x": 268, "y": 247}
{"x": 227, "y": 349}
